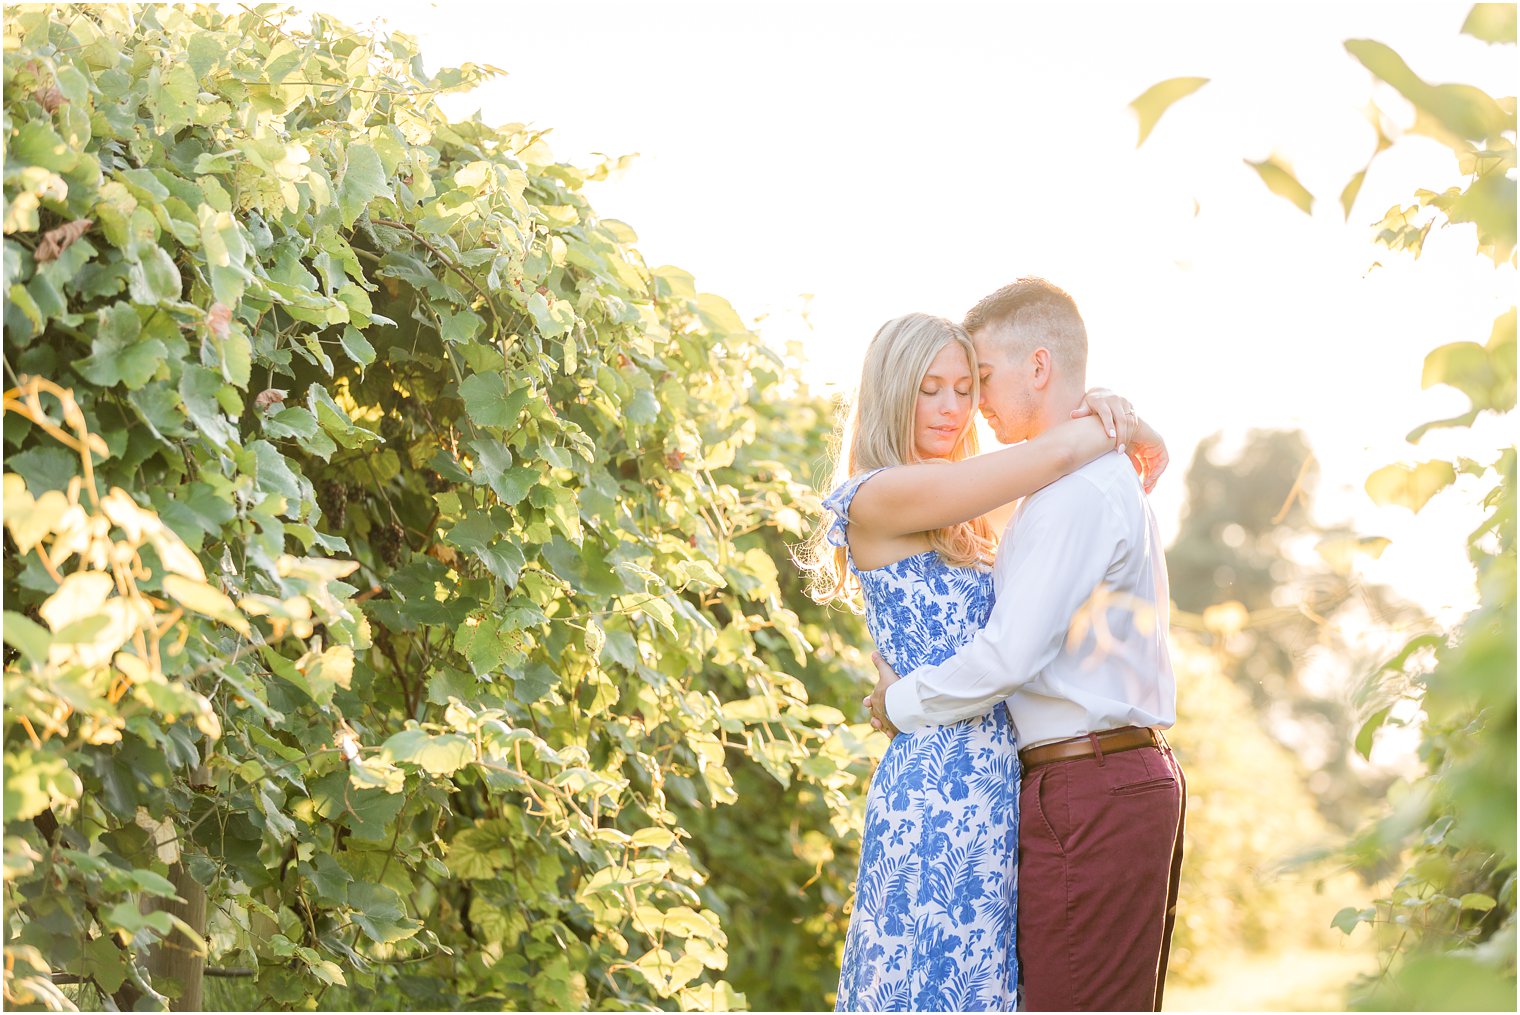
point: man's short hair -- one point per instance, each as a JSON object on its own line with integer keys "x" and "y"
{"x": 1030, "y": 313}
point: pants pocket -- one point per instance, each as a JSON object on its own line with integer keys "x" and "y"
{"x": 1043, "y": 801}
{"x": 1132, "y": 773}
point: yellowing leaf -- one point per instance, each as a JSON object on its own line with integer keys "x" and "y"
{"x": 31, "y": 521}
{"x": 1493, "y": 23}
{"x": 199, "y": 597}
{"x": 1465, "y": 366}
{"x": 1340, "y": 552}
{"x": 1279, "y": 178}
{"x": 1409, "y": 486}
{"x": 83, "y": 594}
{"x": 1158, "y": 98}
{"x": 658, "y": 838}
{"x": 176, "y": 556}
{"x": 1353, "y": 188}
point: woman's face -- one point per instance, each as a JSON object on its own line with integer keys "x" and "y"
{"x": 944, "y": 403}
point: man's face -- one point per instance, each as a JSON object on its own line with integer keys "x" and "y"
{"x": 1007, "y": 397}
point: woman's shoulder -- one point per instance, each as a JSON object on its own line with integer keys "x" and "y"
{"x": 841, "y": 497}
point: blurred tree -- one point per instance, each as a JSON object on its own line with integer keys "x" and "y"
{"x": 1241, "y": 892}
{"x": 1273, "y": 592}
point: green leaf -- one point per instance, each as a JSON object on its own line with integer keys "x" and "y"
{"x": 357, "y": 346}
{"x": 369, "y": 812}
{"x": 643, "y": 407}
{"x": 379, "y": 912}
{"x": 493, "y": 467}
{"x": 127, "y": 919}
{"x": 1158, "y": 98}
{"x": 176, "y": 95}
{"x": 334, "y": 419}
{"x": 152, "y": 277}
{"x": 1348, "y": 919}
{"x": 476, "y": 853}
{"x": 364, "y": 180}
{"x": 488, "y": 401}
{"x": 440, "y": 754}
{"x": 293, "y": 422}
{"x": 1279, "y": 178}
{"x": 329, "y": 878}
{"x": 35, "y": 143}
{"x": 273, "y": 474}
{"x": 204, "y": 52}
{"x": 155, "y": 884}
{"x": 460, "y": 327}
{"x": 1410, "y": 486}
{"x": 552, "y": 319}
{"x": 27, "y": 637}
{"x": 32, "y": 778}
{"x": 483, "y": 645}
{"x": 1493, "y": 23}
{"x": 376, "y": 773}
{"x": 684, "y": 573}
{"x": 119, "y": 355}
{"x": 1477, "y": 900}
{"x": 1368, "y": 732}
{"x": 198, "y": 388}
{"x": 477, "y": 535}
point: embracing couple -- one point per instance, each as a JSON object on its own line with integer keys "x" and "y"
{"x": 1023, "y": 832}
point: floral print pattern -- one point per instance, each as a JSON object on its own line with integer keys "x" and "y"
{"x": 932, "y": 927}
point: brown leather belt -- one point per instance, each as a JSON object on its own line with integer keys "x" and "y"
{"x": 1125, "y": 738}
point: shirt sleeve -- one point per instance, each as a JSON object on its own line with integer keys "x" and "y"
{"x": 1063, "y": 544}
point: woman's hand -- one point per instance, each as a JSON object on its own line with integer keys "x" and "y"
{"x": 1147, "y": 452}
{"x": 1115, "y": 413}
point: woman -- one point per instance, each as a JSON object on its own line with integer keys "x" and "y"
{"x": 933, "y": 922}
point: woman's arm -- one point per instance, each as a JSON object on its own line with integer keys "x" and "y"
{"x": 932, "y": 495}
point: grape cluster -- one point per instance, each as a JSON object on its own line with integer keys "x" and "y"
{"x": 332, "y": 498}
{"x": 389, "y": 542}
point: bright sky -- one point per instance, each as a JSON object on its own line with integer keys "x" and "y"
{"x": 889, "y": 157}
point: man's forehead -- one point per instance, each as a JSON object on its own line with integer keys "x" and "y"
{"x": 989, "y": 348}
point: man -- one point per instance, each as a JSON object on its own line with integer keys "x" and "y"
{"x": 1076, "y": 644}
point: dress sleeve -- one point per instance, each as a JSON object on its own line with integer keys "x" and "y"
{"x": 838, "y": 505}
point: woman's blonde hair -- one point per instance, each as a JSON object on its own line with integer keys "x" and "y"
{"x": 878, "y": 431}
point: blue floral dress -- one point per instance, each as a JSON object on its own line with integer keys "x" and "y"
{"x": 932, "y": 927}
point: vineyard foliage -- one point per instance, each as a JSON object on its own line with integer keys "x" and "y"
{"x": 1447, "y": 926}
{"x": 394, "y": 562}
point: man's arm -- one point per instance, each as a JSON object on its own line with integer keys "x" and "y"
{"x": 1063, "y": 546}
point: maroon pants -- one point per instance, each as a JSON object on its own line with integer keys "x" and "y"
{"x": 1100, "y": 851}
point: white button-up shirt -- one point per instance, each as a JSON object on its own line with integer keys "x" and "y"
{"x": 1076, "y": 642}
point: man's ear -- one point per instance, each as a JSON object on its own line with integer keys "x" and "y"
{"x": 1040, "y": 368}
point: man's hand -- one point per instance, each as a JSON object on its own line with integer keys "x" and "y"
{"x": 876, "y": 701}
